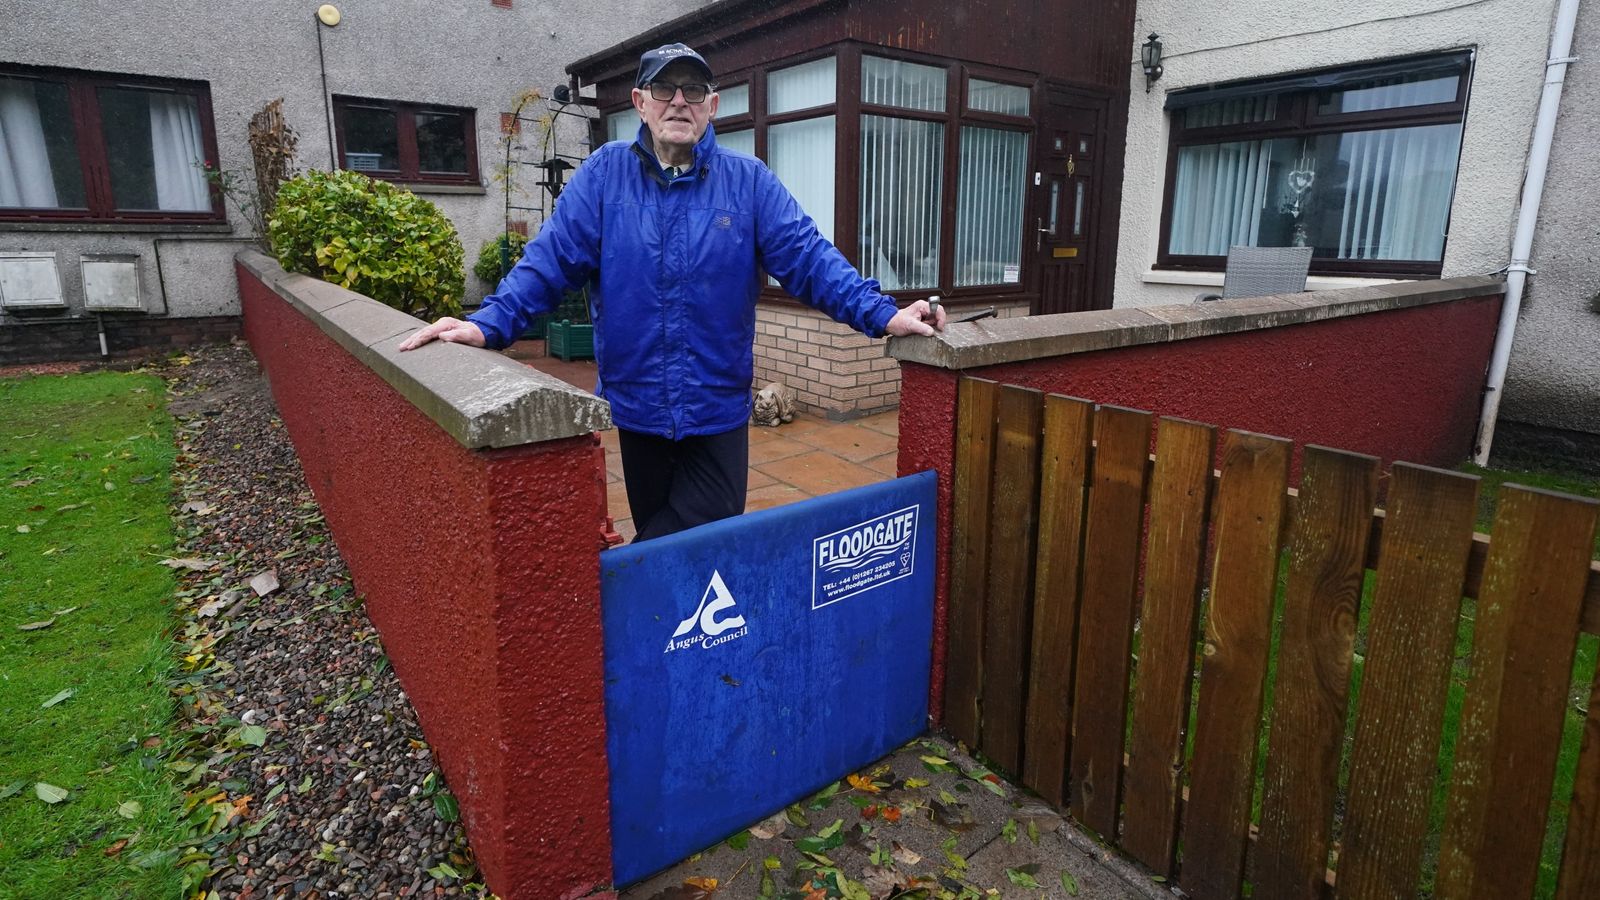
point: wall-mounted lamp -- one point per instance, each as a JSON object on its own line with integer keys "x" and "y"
{"x": 1150, "y": 56}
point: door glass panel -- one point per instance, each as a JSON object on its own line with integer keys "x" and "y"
{"x": 1077, "y": 212}
{"x": 1055, "y": 204}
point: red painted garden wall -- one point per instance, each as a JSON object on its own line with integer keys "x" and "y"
{"x": 1398, "y": 384}
{"x": 481, "y": 571}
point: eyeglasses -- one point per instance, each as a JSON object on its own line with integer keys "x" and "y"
{"x": 692, "y": 93}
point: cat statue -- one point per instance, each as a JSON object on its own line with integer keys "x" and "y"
{"x": 774, "y": 405}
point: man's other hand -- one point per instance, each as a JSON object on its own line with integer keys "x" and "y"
{"x": 455, "y": 331}
{"x": 918, "y": 318}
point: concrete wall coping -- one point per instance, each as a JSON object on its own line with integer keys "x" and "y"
{"x": 995, "y": 341}
{"x": 479, "y": 397}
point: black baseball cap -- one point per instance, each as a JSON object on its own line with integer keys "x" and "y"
{"x": 651, "y": 62}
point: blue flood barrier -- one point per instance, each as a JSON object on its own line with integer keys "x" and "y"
{"x": 751, "y": 661}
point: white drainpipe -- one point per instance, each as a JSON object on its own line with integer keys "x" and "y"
{"x": 1544, "y": 129}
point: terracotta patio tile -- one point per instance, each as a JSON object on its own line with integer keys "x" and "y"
{"x": 818, "y": 472}
{"x": 851, "y": 442}
{"x": 774, "y": 494}
{"x": 775, "y": 449}
{"x": 884, "y": 465}
{"x": 885, "y": 422}
{"x": 759, "y": 479}
{"x": 617, "y": 501}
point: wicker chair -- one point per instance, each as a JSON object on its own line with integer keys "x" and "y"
{"x": 1260, "y": 271}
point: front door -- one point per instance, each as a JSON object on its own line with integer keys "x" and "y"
{"x": 1066, "y": 200}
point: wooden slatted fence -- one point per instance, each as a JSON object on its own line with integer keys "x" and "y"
{"x": 1092, "y": 585}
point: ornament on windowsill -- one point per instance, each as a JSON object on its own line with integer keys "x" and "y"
{"x": 1296, "y": 185}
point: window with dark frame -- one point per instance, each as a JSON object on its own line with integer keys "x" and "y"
{"x": 409, "y": 142}
{"x": 1358, "y": 163}
{"x": 918, "y": 225}
{"x": 94, "y": 147}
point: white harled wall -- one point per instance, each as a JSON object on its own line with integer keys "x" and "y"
{"x": 467, "y": 53}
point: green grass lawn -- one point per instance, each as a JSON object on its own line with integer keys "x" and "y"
{"x": 84, "y": 707}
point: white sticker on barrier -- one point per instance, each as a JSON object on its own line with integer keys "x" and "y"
{"x": 864, "y": 556}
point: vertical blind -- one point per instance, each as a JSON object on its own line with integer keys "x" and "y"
{"x": 802, "y": 87}
{"x": 743, "y": 140}
{"x": 992, "y": 181}
{"x": 733, "y": 101}
{"x": 992, "y": 96}
{"x": 801, "y": 155}
{"x": 622, "y": 125}
{"x": 892, "y": 82}
{"x": 902, "y": 166}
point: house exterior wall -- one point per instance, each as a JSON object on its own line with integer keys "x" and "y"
{"x": 472, "y": 54}
{"x": 1229, "y": 40}
{"x": 1554, "y": 377}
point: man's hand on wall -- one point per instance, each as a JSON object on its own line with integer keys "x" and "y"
{"x": 918, "y": 318}
{"x": 454, "y": 331}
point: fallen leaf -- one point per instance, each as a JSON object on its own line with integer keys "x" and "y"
{"x": 905, "y": 855}
{"x": 740, "y": 840}
{"x": 109, "y": 486}
{"x": 198, "y": 507}
{"x": 210, "y": 608}
{"x": 36, "y": 626}
{"x": 116, "y": 848}
{"x": 49, "y": 793}
{"x": 141, "y": 479}
{"x": 1070, "y": 884}
{"x": 23, "y": 529}
{"x": 61, "y": 697}
{"x": 150, "y": 743}
{"x": 862, "y": 784}
{"x": 69, "y": 610}
{"x": 891, "y": 814}
{"x": 770, "y": 827}
{"x": 913, "y": 783}
{"x": 709, "y": 885}
{"x": 71, "y": 506}
{"x": 264, "y": 583}
{"x": 1021, "y": 878}
{"x": 254, "y": 735}
{"x": 129, "y": 809}
{"x": 12, "y": 789}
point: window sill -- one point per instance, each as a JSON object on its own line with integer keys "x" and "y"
{"x": 1214, "y": 280}
{"x": 61, "y": 225}
{"x": 424, "y": 187}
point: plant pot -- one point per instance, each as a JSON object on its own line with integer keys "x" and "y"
{"x": 570, "y": 341}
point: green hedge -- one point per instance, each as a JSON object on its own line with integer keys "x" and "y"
{"x": 369, "y": 236}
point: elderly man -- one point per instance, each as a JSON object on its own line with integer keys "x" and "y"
{"x": 678, "y": 231}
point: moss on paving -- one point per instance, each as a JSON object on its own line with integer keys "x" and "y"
{"x": 85, "y": 463}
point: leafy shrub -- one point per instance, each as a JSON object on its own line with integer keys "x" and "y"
{"x": 488, "y": 267}
{"x": 369, "y": 236}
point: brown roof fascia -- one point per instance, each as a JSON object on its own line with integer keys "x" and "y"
{"x": 704, "y": 28}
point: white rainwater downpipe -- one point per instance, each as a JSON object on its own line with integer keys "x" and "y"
{"x": 1544, "y": 129}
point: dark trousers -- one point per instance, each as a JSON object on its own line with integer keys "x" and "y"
{"x": 673, "y": 485}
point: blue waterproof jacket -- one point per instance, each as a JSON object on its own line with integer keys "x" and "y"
{"x": 678, "y": 264}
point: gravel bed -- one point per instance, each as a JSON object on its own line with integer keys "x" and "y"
{"x": 341, "y": 797}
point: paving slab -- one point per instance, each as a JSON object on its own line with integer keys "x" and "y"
{"x": 927, "y": 821}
